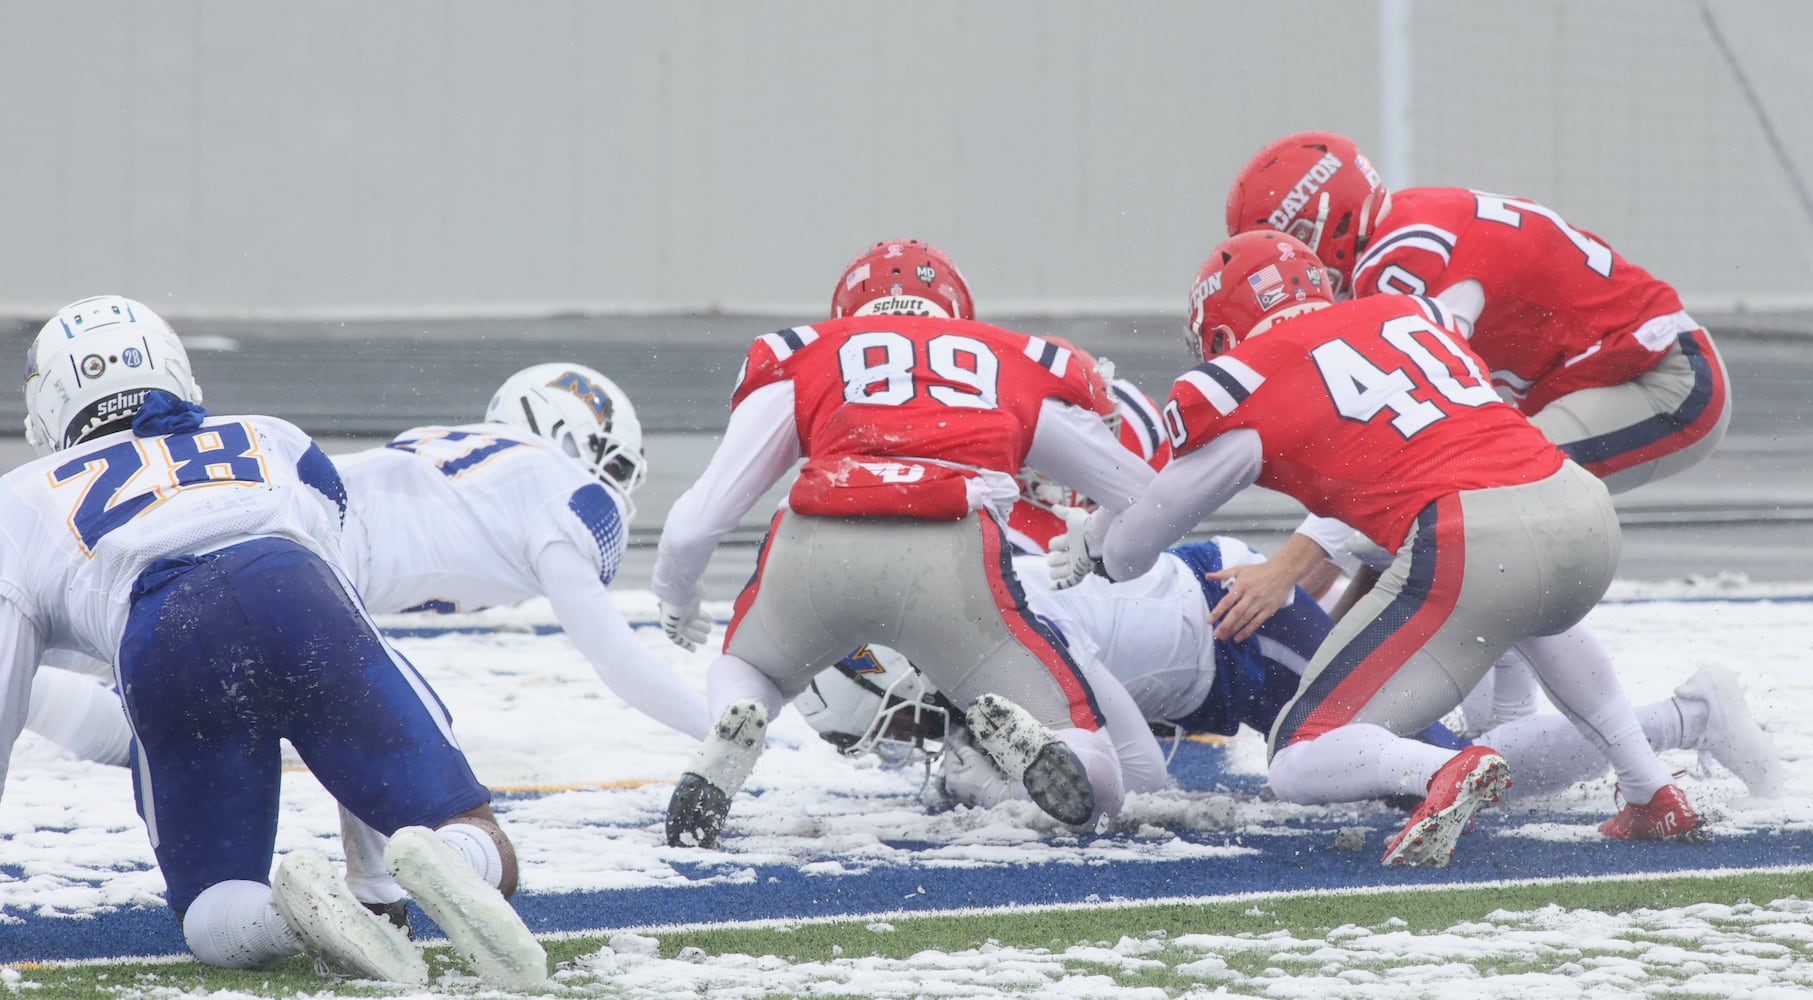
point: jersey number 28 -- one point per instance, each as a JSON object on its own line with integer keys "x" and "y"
{"x": 124, "y": 480}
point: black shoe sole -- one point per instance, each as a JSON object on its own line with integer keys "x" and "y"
{"x": 695, "y": 815}
{"x": 397, "y": 913}
{"x": 1058, "y": 784}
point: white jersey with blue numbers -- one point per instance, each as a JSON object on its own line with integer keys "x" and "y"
{"x": 460, "y": 518}
{"x": 77, "y": 529}
{"x": 454, "y": 518}
{"x": 80, "y": 525}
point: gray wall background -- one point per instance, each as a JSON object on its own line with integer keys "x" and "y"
{"x": 426, "y": 158}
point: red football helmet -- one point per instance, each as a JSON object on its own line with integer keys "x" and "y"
{"x": 902, "y": 277}
{"x": 1318, "y": 187}
{"x": 1246, "y": 280}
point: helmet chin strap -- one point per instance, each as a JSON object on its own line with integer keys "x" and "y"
{"x": 1315, "y": 235}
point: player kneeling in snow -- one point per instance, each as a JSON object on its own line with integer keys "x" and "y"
{"x": 199, "y": 554}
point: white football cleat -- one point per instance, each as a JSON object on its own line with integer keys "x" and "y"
{"x": 701, "y": 800}
{"x": 336, "y": 928}
{"x": 1732, "y": 736}
{"x": 1030, "y": 753}
{"x": 484, "y": 928}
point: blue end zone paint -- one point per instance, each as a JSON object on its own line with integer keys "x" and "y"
{"x": 1296, "y": 858}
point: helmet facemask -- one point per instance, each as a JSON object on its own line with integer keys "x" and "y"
{"x": 583, "y": 414}
{"x": 874, "y": 701}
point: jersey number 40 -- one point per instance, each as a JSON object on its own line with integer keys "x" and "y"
{"x": 1361, "y": 390}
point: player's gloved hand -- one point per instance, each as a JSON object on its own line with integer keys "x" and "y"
{"x": 1071, "y": 558}
{"x": 686, "y": 626}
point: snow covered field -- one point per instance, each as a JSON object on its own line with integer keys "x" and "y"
{"x": 590, "y": 781}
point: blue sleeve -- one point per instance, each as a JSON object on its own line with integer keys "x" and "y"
{"x": 597, "y": 510}
{"x": 317, "y": 471}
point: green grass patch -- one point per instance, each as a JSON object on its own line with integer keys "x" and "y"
{"x": 1259, "y": 940}
{"x": 1420, "y": 910}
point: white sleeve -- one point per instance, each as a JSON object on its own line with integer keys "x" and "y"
{"x": 1193, "y": 486}
{"x": 81, "y": 663}
{"x": 1329, "y": 533}
{"x": 80, "y": 715}
{"x": 760, "y": 444}
{"x": 1466, "y": 300}
{"x": 1074, "y": 446}
{"x": 588, "y": 615}
{"x": 20, "y": 647}
{"x": 1142, "y": 759}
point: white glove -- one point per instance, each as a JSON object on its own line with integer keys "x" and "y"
{"x": 1070, "y": 559}
{"x": 686, "y": 626}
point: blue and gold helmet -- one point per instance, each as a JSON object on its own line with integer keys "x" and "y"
{"x": 583, "y": 414}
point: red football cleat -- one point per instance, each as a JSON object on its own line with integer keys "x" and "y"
{"x": 1467, "y": 783}
{"x": 1667, "y": 816}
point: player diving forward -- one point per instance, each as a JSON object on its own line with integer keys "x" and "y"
{"x": 533, "y": 501}
{"x": 197, "y": 553}
{"x": 912, "y": 428}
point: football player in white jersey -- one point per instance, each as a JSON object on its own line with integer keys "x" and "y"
{"x": 198, "y": 554}
{"x": 533, "y": 501}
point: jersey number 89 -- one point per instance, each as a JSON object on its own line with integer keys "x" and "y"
{"x": 878, "y": 370}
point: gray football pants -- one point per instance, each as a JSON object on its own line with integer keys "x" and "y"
{"x": 1479, "y": 571}
{"x": 942, "y": 593}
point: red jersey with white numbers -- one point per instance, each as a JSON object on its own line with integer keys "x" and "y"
{"x": 1366, "y": 411}
{"x": 1563, "y": 311}
{"x": 897, "y": 413}
{"x": 1033, "y": 526}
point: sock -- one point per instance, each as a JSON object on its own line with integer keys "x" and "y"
{"x": 1577, "y": 673}
{"x": 1095, "y": 751}
{"x": 1354, "y": 762}
{"x": 236, "y": 925}
{"x": 1689, "y": 718}
{"x": 366, "y": 875}
{"x": 732, "y": 678}
{"x": 477, "y": 847}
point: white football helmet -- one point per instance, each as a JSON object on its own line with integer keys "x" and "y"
{"x": 92, "y": 364}
{"x": 874, "y": 700}
{"x": 585, "y": 415}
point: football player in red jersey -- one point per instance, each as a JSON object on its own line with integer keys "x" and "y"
{"x": 1598, "y": 352}
{"x": 912, "y": 420}
{"x": 1374, "y": 412}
